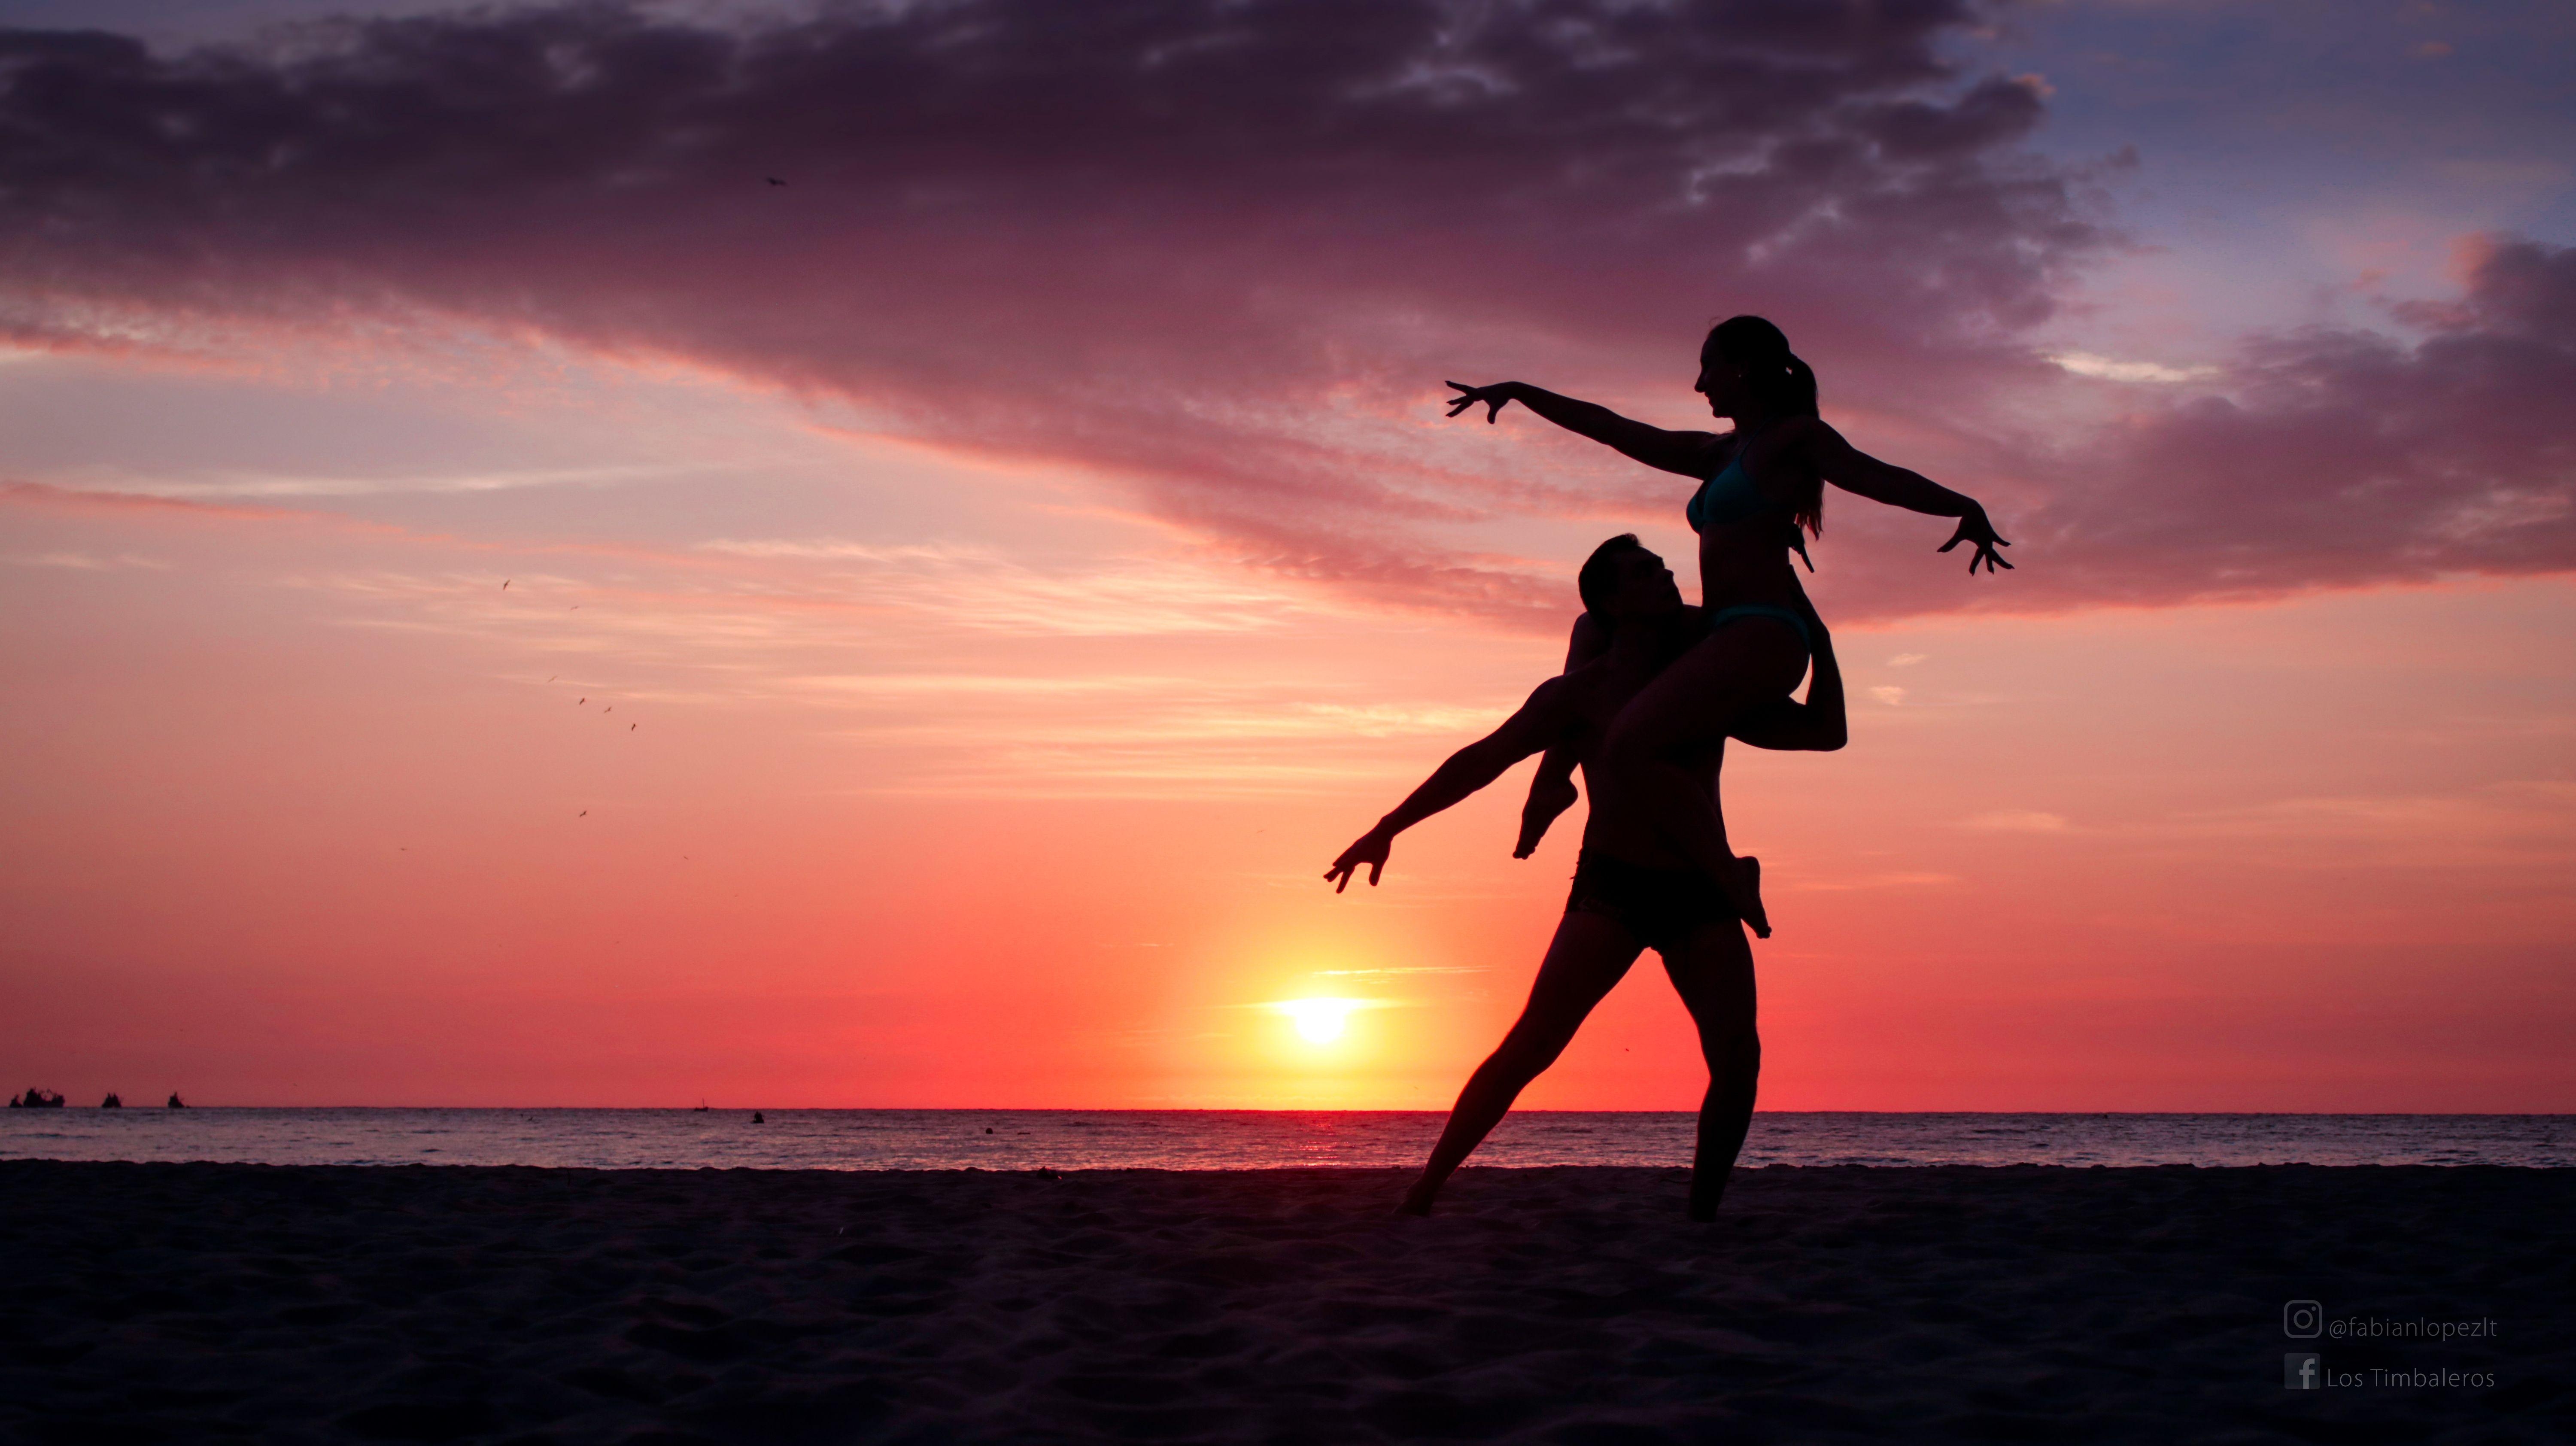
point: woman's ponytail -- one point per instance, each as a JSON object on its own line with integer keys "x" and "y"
{"x": 1784, "y": 383}
{"x": 1798, "y": 392}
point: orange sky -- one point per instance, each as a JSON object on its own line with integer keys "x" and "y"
{"x": 959, "y": 600}
{"x": 298, "y": 817}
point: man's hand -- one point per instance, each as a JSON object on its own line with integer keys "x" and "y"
{"x": 1544, "y": 804}
{"x": 1493, "y": 398}
{"x": 1975, "y": 528}
{"x": 1370, "y": 850}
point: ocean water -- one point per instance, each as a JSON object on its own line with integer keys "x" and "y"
{"x": 1249, "y": 1139}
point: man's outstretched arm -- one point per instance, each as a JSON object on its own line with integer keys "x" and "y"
{"x": 1537, "y": 724}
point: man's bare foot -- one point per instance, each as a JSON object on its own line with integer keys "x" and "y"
{"x": 1544, "y": 805}
{"x": 1417, "y": 1200}
{"x": 1744, "y": 891}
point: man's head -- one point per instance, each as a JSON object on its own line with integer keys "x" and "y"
{"x": 1623, "y": 580}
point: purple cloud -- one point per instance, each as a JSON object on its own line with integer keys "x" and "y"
{"x": 1221, "y": 252}
{"x": 2345, "y": 458}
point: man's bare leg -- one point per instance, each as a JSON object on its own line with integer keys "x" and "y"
{"x": 1713, "y": 973}
{"x": 1588, "y": 957}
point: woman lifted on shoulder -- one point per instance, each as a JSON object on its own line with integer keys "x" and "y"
{"x": 1761, "y": 495}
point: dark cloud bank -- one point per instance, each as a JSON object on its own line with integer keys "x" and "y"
{"x": 2346, "y": 458}
{"x": 1220, "y": 251}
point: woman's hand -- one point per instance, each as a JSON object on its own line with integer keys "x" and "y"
{"x": 1494, "y": 398}
{"x": 1973, "y": 527}
{"x": 1370, "y": 850}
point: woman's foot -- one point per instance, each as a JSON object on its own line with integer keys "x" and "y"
{"x": 1703, "y": 1200}
{"x": 1544, "y": 804}
{"x": 1417, "y": 1200}
{"x": 1743, "y": 889}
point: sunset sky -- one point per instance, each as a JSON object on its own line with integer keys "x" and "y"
{"x": 959, "y": 600}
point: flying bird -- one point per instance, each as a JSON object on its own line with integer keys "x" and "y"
{"x": 505, "y": 584}
{"x": 773, "y": 180}
{"x": 585, "y": 813}
{"x": 585, "y": 700}
{"x": 631, "y": 727}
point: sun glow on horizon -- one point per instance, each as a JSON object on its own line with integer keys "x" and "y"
{"x": 1320, "y": 1021}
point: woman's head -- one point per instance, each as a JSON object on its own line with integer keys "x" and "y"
{"x": 1747, "y": 372}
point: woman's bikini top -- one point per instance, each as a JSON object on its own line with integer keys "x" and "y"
{"x": 1730, "y": 497}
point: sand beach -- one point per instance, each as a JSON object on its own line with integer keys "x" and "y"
{"x": 191, "y": 1303}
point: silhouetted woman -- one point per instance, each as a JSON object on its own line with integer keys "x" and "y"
{"x": 1761, "y": 494}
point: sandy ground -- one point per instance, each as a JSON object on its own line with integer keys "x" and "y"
{"x": 191, "y": 1303}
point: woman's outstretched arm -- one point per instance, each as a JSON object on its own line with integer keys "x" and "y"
{"x": 1683, "y": 452}
{"x": 1854, "y": 470}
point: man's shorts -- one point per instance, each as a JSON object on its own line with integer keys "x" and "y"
{"x": 1662, "y": 907}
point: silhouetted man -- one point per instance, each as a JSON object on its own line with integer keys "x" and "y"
{"x": 1632, "y": 890}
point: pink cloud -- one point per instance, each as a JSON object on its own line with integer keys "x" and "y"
{"x": 66, "y": 499}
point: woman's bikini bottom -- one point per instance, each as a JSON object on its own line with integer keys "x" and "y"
{"x": 1740, "y": 611}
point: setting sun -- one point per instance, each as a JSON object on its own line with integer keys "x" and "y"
{"x": 1320, "y": 1020}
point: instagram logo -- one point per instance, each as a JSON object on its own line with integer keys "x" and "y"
{"x": 2303, "y": 1320}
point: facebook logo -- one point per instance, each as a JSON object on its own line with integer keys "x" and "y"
{"x": 2302, "y": 1371}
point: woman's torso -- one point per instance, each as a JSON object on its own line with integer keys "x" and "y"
{"x": 1745, "y": 531}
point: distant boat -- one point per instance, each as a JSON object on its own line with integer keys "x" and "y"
{"x": 111, "y": 1102}
{"x": 176, "y": 1103}
{"x": 36, "y": 1099}
{"x": 701, "y": 1109}
{"x": 756, "y": 1119}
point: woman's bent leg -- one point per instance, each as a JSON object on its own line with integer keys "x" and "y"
{"x": 1713, "y": 973}
{"x": 1688, "y": 708}
{"x": 1589, "y": 955}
